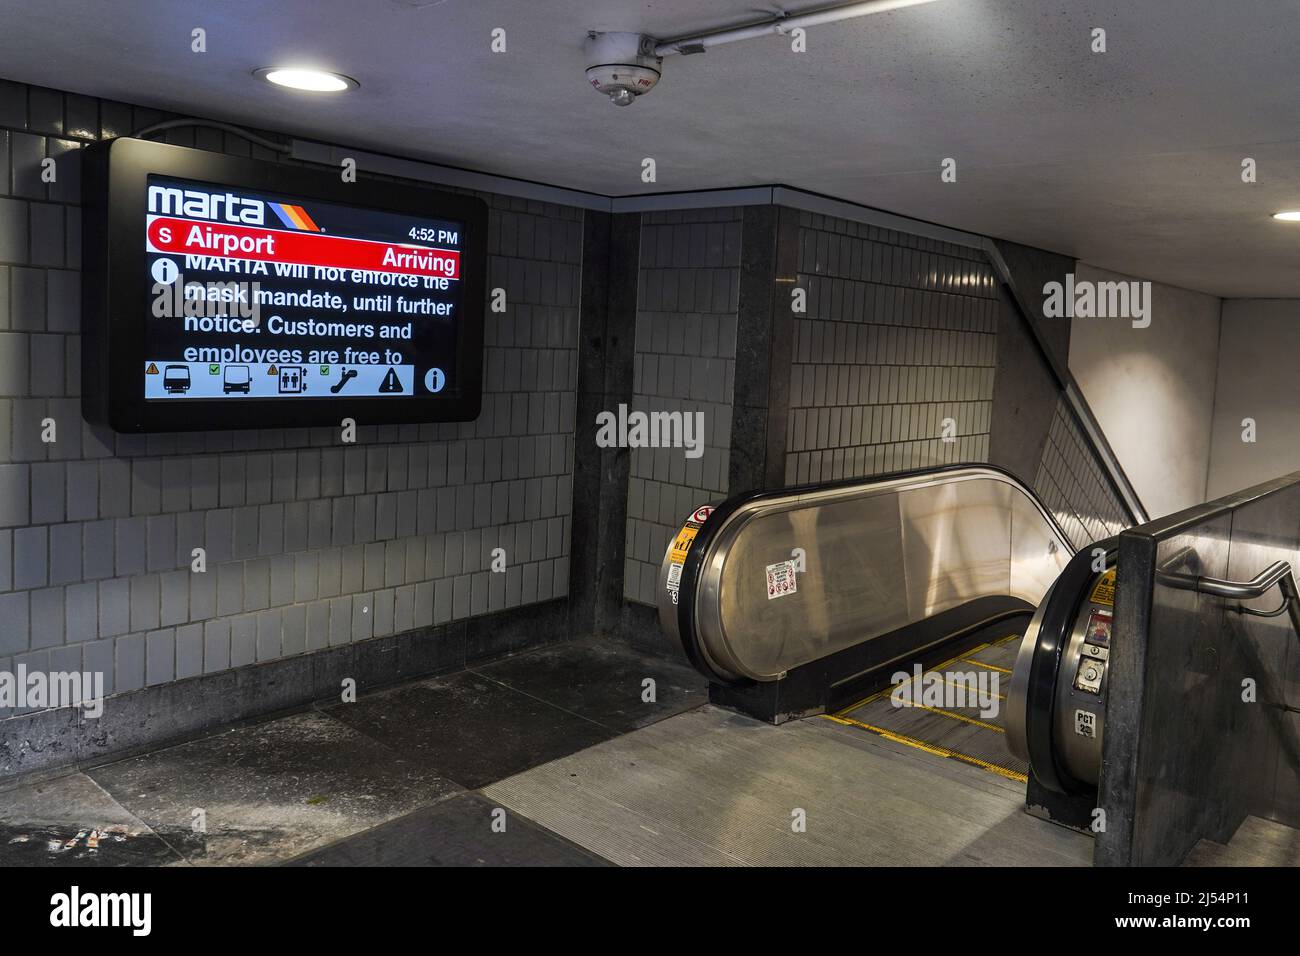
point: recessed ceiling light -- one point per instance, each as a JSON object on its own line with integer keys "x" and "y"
{"x": 1288, "y": 215}
{"x": 314, "y": 81}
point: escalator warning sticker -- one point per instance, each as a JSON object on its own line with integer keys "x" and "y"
{"x": 781, "y": 580}
{"x": 1104, "y": 592}
{"x": 677, "y": 556}
{"x": 682, "y": 543}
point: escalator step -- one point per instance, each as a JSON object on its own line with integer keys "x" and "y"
{"x": 969, "y": 733}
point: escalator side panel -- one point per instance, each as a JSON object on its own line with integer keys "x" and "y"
{"x": 852, "y": 552}
{"x": 964, "y": 530}
{"x": 777, "y": 580}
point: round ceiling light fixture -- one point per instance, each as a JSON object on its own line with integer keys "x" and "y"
{"x": 312, "y": 81}
{"x": 1288, "y": 215}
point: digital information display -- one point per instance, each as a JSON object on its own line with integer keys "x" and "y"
{"x": 250, "y": 297}
{"x": 261, "y": 296}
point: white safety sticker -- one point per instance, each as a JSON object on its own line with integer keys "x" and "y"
{"x": 674, "y": 580}
{"x": 1085, "y": 723}
{"x": 781, "y": 579}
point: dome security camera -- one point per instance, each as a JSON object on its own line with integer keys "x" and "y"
{"x": 623, "y": 66}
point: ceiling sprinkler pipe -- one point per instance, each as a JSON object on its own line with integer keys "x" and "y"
{"x": 781, "y": 25}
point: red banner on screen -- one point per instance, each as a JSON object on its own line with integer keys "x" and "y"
{"x": 188, "y": 237}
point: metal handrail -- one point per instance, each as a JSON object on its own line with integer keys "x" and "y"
{"x": 1278, "y": 573}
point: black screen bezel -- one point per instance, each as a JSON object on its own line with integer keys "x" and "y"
{"x": 116, "y": 291}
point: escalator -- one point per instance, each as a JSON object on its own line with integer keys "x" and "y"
{"x": 947, "y": 611}
{"x": 942, "y": 609}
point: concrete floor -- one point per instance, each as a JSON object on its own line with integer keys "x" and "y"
{"x": 550, "y": 757}
{"x": 713, "y": 788}
{"x": 411, "y": 756}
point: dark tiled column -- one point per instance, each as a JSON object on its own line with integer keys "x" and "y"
{"x": 606, "y": 346}
{"x": 764, "y": 336}
{"x": 1025, "y": 395}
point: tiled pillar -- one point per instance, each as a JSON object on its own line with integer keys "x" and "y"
{"x": 610, "y": 252}
{"x": 764, "y": 337}
{"x": 684, "y": 363}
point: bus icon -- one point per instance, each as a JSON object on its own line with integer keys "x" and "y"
{"x": 237, "y": 378}
{"x": 176, "y": 378}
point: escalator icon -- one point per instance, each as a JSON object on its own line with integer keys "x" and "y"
{"x": 391, "y": 383}
{"x": 347, "y": 375}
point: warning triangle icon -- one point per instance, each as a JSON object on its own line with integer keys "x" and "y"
{"x": 391, "y": 382}
{"x": 152, "y": 369}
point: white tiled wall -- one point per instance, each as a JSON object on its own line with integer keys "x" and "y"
{"x": 900, "y": 333}
{"x": 1073, "y": 486}
{"x": 309, "y": 542}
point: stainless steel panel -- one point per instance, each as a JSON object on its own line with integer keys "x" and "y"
{"x": 956, "y": 543}
{"x": 1038, "y": 555}
{"x": 849, "y": 591}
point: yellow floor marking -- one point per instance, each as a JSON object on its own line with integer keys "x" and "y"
{"x": 930, "y": 748}
{"x": 948, "y": 713}
{"x": 992, "y": 667}
{"x": 957, "y": 683}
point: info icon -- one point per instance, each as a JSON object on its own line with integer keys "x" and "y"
{"x": 164, "y": 271}
{"x": 434, "y": 380}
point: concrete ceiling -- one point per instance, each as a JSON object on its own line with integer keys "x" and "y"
{"x": 1130, "y": 160}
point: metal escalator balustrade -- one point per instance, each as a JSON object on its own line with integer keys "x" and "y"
{"x": 766, "y": 582}
{"x": 1056, "y": 704}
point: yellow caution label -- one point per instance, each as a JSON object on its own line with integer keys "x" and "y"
{"x": 152, "y": 369}
{"x": 1104, "y": 592}
{"x": 682, "y": 544}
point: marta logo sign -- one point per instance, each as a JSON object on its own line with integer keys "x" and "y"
{"x": 75, "y": 909}
{"x": 194, "y": 204}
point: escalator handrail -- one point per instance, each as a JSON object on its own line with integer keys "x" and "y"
{"x": 722, "y": 513}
